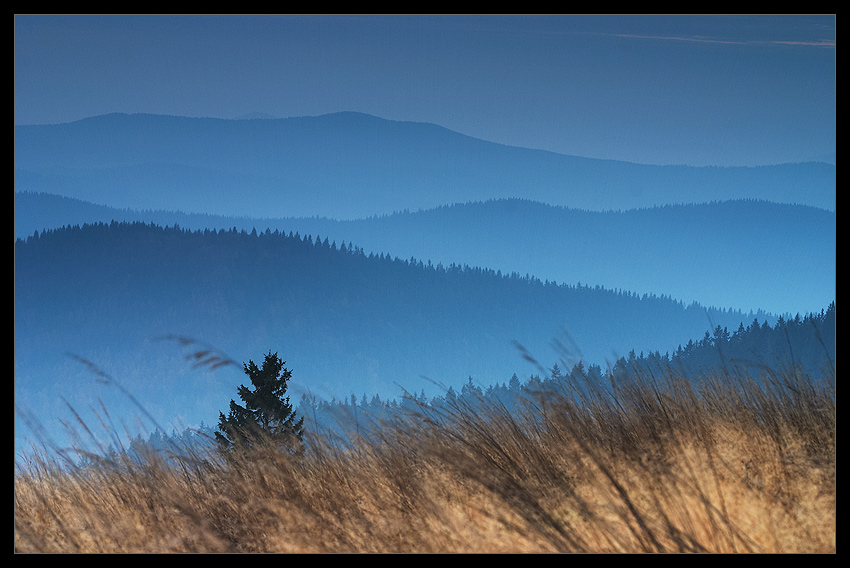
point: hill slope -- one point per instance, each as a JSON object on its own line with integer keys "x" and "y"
{"x": 345, "y": 322}
{"x": 780, "y": 257}
{"x": 350, "y": 165}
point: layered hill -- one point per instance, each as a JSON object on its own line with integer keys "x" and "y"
{"x": 744, "y": 254}
{"x": 351, "y": 165}
{"x": 343, "y": 310}
{"x": 345, "y": 321}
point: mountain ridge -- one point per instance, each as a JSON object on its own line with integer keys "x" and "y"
{"x": 779, "y": 254}
{"x": 350, "y": 165}
{"x": 825, "y": 159}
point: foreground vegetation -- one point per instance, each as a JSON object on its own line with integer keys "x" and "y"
{"x": 660, "y": 464}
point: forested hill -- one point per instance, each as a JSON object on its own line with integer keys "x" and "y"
{"x": 803, "y": 345}
{"x": 344, "y": 321}
{"x": 781, "y": 257}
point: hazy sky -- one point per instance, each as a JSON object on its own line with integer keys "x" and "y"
{"x": 721, "y": 90}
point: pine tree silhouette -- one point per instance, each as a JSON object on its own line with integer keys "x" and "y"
{"x": 267, "y": 416}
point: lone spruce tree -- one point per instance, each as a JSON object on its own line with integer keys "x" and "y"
{"x": 267, "y": 417}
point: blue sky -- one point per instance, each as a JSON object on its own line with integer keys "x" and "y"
{"x": 698, "y": 90}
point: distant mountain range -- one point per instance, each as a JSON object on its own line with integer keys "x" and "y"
{"x": 781, "y": 258}
{"x": 374, "y": 253}
{"x": 350, "y": 165}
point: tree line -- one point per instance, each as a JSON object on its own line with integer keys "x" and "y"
{"x": 801, "y": 345}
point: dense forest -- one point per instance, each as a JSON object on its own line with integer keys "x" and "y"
{"x": 780, "y": 256}
{"x": 804, "y": 345}
{"x": 345, "y": 321}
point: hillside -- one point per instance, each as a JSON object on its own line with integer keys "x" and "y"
{"x": 350, "y": 165}
{"x": 345, "y": 322}
{"x": 781, "y": 257}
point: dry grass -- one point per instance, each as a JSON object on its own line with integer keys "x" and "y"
{"x": 663, "y": 466}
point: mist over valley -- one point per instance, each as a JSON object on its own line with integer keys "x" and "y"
{"x": 379, "y": 257}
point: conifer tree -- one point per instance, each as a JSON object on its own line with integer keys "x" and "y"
{"x": 267, "y": 415}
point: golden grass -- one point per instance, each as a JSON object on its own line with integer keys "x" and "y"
{"x": 670, "y": 467}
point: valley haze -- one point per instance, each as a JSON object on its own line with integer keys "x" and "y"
{"x": 422, "y": 211}
{"x": 406, "y": 300}
{"x": 420, "y": 190}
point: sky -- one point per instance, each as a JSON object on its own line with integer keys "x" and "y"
{"x": 695, "y": 90}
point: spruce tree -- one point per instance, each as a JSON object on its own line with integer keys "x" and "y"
{"x": 267, "y": 416}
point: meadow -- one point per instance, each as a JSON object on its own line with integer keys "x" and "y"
{"x": 721, "y": 464}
